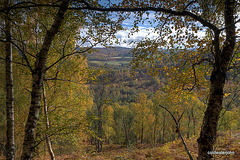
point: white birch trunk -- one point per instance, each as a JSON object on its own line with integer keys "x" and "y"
{"x": 48, "y": 140}
{"x": 10, "y": 146}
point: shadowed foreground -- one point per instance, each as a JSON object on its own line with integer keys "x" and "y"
{"x": 173, "y": 150}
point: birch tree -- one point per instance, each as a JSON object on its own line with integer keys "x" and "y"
{"x": 10, "y": 146}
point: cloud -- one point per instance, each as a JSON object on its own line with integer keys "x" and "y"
{"x": 125, "y": 37}
{"x": 146, "y": 29}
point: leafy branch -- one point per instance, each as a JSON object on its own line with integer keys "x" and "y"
{"x": 87, "y": 6}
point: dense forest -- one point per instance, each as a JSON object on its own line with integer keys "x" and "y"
{"x": 174, "y": 96}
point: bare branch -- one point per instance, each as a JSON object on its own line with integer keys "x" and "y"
{"x": 178, "y": 131}
{"x": 65, "y": 56}
{"x": 77, "y": 52}
{"x": 23, "y": 54}
{"x": 15, "y": 62}
{"x": 190, "y": 3}
{"x": 161, "y": 29}
{"x": 194, "y": 71}
{"x": 180, "y": 117}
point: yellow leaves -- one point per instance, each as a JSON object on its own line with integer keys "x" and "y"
{"x": 109, "y": 110}
{"x": 227, "y": 94}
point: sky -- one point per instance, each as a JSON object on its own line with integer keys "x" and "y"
{"x": 145, "y": 30}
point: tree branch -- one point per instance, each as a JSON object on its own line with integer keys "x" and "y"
{"x": 178, "y": 130}
{"x": 67, "y": 55}
{"x": 22, "y": 5}
{"x": 163, "y": 10}
{"x": 190, "y": 3}
{"x": 77, "y": 52}
{"x": 226, "y": 27}
{"x": 116, "y": 9}
{"x": 23, "y": 54}
{"x": 194, "y": 71}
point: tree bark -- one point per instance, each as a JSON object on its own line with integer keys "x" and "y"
{"x": 37, "y": 81}
{"x": 48, "y": 140}
{"x": 10, "y": 146}
{"x": 218, "y": 76}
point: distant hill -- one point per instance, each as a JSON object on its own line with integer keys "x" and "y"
{"x": 116, "y": 58}
{"x": 116, "y": 51}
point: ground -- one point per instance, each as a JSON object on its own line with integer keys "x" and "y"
{"x": 227, "y": 142}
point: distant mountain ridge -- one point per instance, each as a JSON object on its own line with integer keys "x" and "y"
{"x": 113, "y": 51}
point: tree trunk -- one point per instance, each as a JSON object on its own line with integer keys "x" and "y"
{"x": 189, "y": 121}
{"x": 159, "y": 139}
{"x": 126, "y": 133}
{"x": 218, "y": 76}
{"x": 155, "y": 128}
{"x": 163, "y": 130}
{"x": 194, "y": 121}
{"x": 10, "y": 146}
{"x": 100, "y": 131}
{"x": 37, "y": 81}
{"x": 48, "y": 140}
{"x": 209, "y": 127}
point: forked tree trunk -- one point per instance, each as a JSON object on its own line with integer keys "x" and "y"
{"x": 218, "y": 76}
{"x": 37, "y": 81}
{"x": 10, "y": 146}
